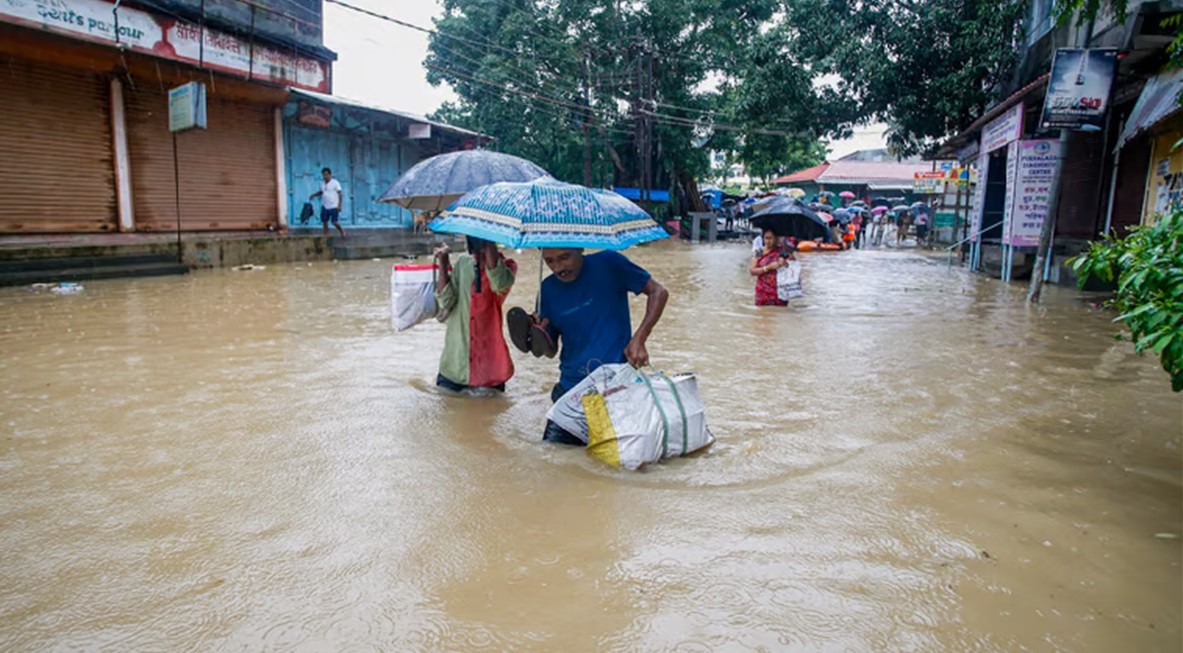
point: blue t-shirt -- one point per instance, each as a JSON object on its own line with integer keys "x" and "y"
{"x": 590, "y": 316}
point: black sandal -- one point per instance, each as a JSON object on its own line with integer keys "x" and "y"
{"x": 519, "y": 325}
{"x": 541, "y": 344}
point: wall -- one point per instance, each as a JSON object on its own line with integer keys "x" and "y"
{"x": 1164, "y": 183}
{"x": 364, "y": 159}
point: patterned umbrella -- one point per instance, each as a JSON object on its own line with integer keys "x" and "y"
{"x": 549, "y": 213}
{"x": 434, "y": 184}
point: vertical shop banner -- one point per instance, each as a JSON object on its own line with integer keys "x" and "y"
{"x": 1027, "y": 206}
{"x": 1078, "y": 92}
{"x": 1012, "y": 181}
{"x": 1003, "y": 129}
{"x": 979, "y": 203}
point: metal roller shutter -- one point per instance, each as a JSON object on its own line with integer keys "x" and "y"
{"x": 1080, "y": 186}
{"x": 55, "y": 133}
{"x": 227, "y": 172}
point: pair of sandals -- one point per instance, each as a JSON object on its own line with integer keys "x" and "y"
{"x": 529, "y": 336}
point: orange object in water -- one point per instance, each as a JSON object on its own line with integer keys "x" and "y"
{"x": 849, "y": 235}
{"x": 813, "y": 245}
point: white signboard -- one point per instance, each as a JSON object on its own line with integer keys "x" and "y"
{"x": 139, "y": 30}
{"x": 979, "y": 203}
{"x": 1004, "y": 129}
{"x": 1012, "y": 180}
{"x": 186, "y": 107}
{"x": 1027, "y": 206}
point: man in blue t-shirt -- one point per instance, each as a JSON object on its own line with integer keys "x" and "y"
{"x": 585, "y": 310}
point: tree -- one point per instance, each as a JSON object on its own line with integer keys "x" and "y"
{"x": 925, "y": 67}
{"x": 1148, "y": 268}
{"x": 548, "y": 78}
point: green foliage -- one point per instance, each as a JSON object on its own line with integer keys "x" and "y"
{"x": 1148, "y": 268}
{"x": 926, "y": 67}
{"x": 520, "y": 68}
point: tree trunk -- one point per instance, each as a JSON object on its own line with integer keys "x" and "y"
{"x": 692, "y": 195}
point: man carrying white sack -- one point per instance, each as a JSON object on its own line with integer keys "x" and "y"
{"x": 585, "y": 309}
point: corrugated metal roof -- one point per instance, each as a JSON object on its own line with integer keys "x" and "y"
{"x": 808, "y": 174}
{"x": 1159, "y": 100}
{"x": 868, "y": 172}
{"x": 405, "y": 115}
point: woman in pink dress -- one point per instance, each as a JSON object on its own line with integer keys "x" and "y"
{"x": 764, "y": 266}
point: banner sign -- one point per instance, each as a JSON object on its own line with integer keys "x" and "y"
{"x": 1078, "y": 92}
{"x": 928, "y": 183}
{"x": 1012, "y": 180}
{"x": 1027, "y": 206}
{"x": 1003, "y": 129}
{"x": 979, "y": 204}
{"x": 141, "y": 31}
{"x": 944, "y": 220}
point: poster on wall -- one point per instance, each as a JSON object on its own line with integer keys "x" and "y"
{"x": 1078, "y": 91}
{"x": 979, "y": 203}
{"x": 1027, "y": 206}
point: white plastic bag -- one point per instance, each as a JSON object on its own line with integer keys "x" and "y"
{"x": 788, "y": 282}
{"x": 412, "y": 295}
{"x": 630, "y": 418}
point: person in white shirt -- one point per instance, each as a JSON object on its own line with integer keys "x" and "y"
{"x": 331, "y": 198}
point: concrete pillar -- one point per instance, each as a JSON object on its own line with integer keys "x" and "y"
{"x": 281, "y": 180}
{"x": 127, "y": 219}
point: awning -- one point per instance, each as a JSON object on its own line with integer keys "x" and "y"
{"x": 1159, "y": 99}
{"x": 404, "y": 115}
{"x": 635, "y": 194}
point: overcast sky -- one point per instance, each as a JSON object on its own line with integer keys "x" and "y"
{"x": 381, "y": 63}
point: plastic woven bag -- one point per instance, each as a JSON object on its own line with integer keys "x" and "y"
{"x": 412, "y": 295}
{"x": 632, "y": 417}
{"x": 788, "y": 282}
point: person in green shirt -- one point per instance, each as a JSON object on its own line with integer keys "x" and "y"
{"x": 470, "y": 291}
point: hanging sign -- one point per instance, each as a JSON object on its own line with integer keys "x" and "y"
{"x": 186, "y": 107}
{"x": 1078, "y": 92}
{"x": 316, "y": 115}
{"x": 1027, "y": 205}
{"x": 1003, "y": 129}
{"x": 979, "y": 201}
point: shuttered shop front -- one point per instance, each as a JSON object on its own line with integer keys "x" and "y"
{"x": 226, "y": 172}
{"x": 55, "y": 134}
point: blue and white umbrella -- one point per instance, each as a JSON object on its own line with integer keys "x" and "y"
{"x": 434, "y": 184}
{"x": 549, "y": 213}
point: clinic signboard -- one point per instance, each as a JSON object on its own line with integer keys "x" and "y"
{"x": 1078, "y": 91}
{"x": 1037, "y": 163}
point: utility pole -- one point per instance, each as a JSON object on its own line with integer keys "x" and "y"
{"x": 1048, "y": 229}
{"x": 640, "y": 116}
{"x": 650, "y": 101}
{"x": 587, "y": 171}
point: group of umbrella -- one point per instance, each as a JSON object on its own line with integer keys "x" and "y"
{"x": 513, "y": 202}
{"x": 786, "y": 213}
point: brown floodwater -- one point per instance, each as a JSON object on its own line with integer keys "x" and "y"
{"x": 910, "y": 459}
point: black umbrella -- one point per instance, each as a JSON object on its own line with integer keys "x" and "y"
{"x": 786, "y": 216}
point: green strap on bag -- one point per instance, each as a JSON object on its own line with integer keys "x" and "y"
{"x": 665, "y": 438}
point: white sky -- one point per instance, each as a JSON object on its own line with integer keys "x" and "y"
{"x": 381, "y": 63}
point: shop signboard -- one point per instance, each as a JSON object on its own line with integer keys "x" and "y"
{"x": 928, "y": 183}
{"x": 1027, "y": 205}
{"x": 141, "y": 31}
{"x": 944, "y": 220}
{"x": 979, "y": 203}
{"x": 1004, "y": 129}
{"x": 1078, "y": 91}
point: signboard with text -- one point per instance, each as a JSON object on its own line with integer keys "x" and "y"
{"x": 1003, "y": 129}
{"x": 186, "y": 107}
{"x": 1078, "y": 91}
{"x": 1012, "y": 181}
{"x": 1027, "y": 206}
{"x": 928, "y": 183}
{"x": 141, "y": 31}
{"x": 979, "y": 203}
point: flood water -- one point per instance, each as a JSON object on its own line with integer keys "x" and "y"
{"x": 910, "y": 459}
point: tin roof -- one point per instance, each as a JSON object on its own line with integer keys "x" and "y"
{"x": 405, "y": 115}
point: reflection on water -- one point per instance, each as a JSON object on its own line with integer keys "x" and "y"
{"x": 908, "y": 459}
